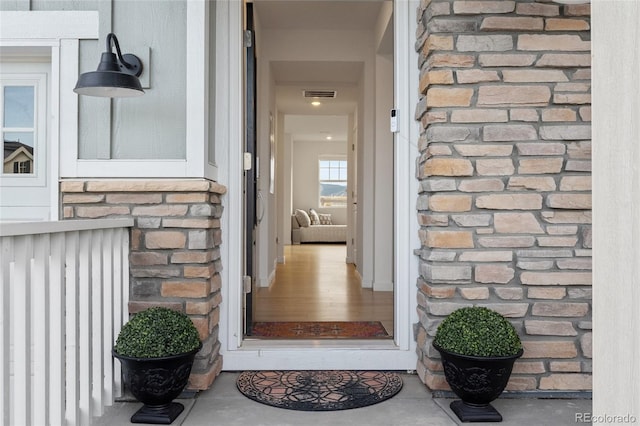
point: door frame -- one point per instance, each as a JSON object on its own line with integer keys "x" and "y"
{"x": 239, "y": 354}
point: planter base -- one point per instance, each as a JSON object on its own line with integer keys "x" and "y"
{"x": 475, "y": 413}
{"x": 162, "y": 415}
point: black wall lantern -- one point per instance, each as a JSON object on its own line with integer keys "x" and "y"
{"x": 116, "y": 77}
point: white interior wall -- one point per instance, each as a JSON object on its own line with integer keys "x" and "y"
{"x": 383, "y": 178}
{"x": 352, "y": 194}
{"x": 384, "y": 28}
{"x": 365, "y": 157}
{"x": 284, "y": 181}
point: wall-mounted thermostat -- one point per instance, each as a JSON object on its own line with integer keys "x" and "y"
{"x": 394, "y": 121}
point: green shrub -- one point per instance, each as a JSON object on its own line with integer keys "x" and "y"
{"x": 477, "y": 331}
{"x": 157, "y": 332}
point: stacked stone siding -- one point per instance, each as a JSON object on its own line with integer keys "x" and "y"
{"x": 175, "y": 249}
{"x": 504, "y": 170}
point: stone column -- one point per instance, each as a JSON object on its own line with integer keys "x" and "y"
{"x": 505, "y": 178}
{"x": 175, "y": 249}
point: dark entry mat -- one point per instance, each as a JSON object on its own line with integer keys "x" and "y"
{"x": 319, "y": 390}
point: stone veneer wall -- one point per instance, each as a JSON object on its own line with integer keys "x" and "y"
{"x": 175, "y": 249}
{"x": 504, "y": 170}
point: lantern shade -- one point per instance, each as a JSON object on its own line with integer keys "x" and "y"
{"x": 116, "y": 76}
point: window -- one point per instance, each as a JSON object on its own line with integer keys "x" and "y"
{"x": 18, "y": 105}
{"x": 333, "y": 183}
{"x": 40, "y": 52}
{"x": 20, "y": 167}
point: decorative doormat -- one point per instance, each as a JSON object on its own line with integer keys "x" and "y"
{"x": 319, "y": 329}
{"x": 324, "y": 390}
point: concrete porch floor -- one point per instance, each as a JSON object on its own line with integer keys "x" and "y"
{"x": 224, "y": 405}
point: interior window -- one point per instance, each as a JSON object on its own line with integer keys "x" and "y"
{"x": 333, "y": 183}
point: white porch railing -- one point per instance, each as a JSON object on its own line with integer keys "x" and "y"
{"x": 64, "y": 289}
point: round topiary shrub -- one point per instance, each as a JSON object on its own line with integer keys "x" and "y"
{"x": 157, "y": 332}
{"x": 478, "y": 331}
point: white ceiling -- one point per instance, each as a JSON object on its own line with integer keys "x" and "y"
{"x": 318, "y": 14}
{"x": 309, "y": 72}
{"x": 292, "y": 77}
{"x": 316, "y": 128}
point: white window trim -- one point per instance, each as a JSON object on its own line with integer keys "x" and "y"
{"x": 39, "y": 82}
{"x": 59, "y": 32}
{"x": 324, "y": 157}
{"x": 198, "y": 47}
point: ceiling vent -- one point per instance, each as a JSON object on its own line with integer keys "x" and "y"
{"x": 319, "y": 93}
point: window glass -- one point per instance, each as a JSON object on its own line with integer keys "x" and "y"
{"x": 333, "y": 183}
{"x": 18, "y": 129}
{"x": 25, "y": 138}
{"x": 18, "y": 106}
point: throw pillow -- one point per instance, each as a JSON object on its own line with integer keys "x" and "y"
{"x": 325, "y": 219}
{"x": 313, "y": 215}
{"x": 303, "y": 218}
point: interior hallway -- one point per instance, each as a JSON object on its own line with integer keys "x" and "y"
{"x": 315, "y": 284}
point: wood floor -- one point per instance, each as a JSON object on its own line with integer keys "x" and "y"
{"x": 315, "y": 284}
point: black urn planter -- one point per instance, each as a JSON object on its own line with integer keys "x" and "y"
{"x": 477, "y": 381}
{"x": 156, "y": 382}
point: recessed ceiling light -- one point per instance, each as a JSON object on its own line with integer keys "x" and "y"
{"x": 316, "y": 103}
{"x": 329, "y": 137}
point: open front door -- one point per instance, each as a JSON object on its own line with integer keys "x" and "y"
{"x": 250, "y": 166}
{"x": 263, "y": 354}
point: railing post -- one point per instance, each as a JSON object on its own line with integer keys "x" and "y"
{"x": 40, "y": 317}
{"x": 55, "y": 327}
{"x": 108, "y": 314}
{"x": 97, "y": 322}
{"x": 72, "y": 412}
{"x": 120, "y": 297}
{"x": 21, "y": 330}
{"x": 84, "y": 336}
{"x": 5, "y": 324}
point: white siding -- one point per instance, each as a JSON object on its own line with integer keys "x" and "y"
{"x": 616, "y": 209}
